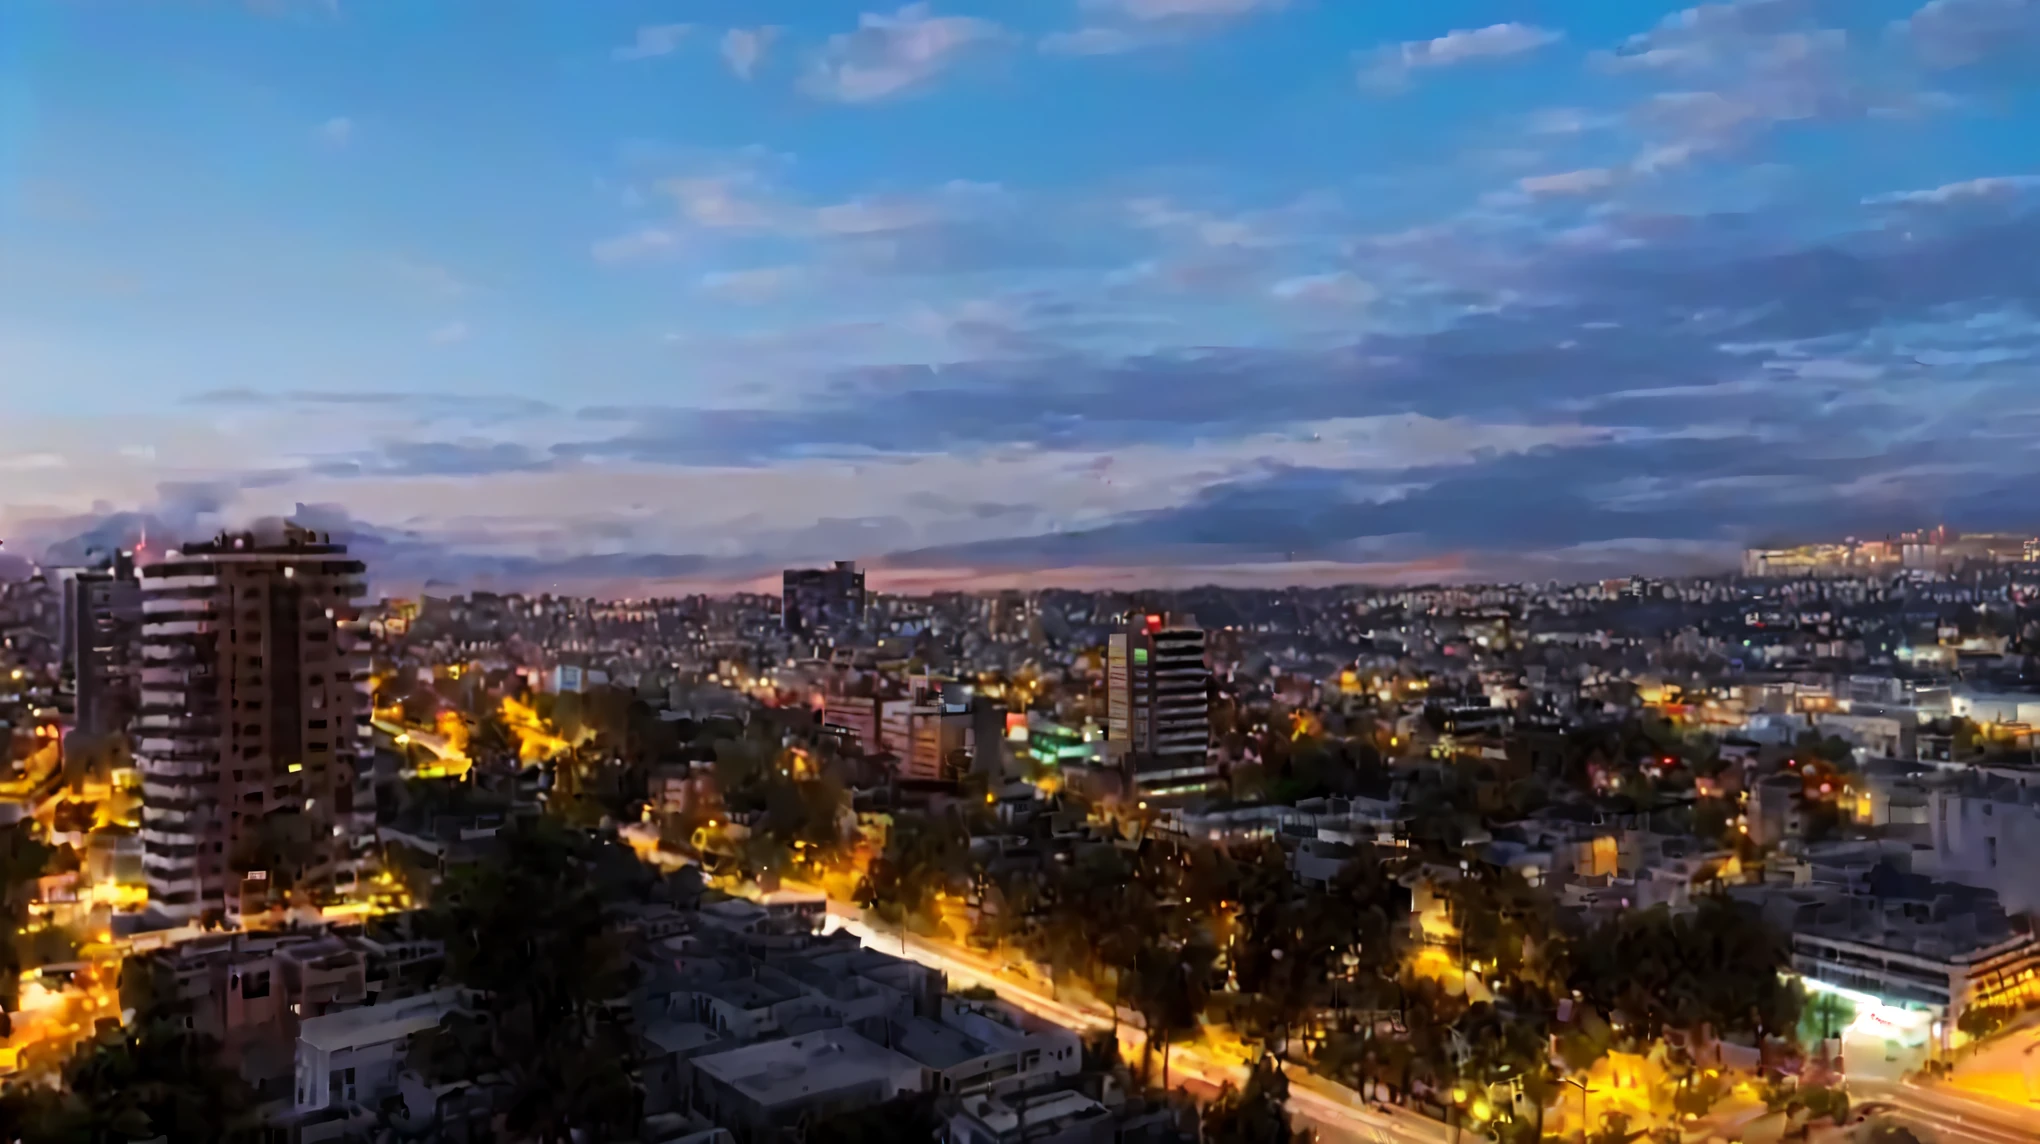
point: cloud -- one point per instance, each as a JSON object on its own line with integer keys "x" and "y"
{"x": 337, "y": 131}
{"x": 1580, "y": 182}
{"x": 1995, "y": 188}
{"x": 465, "y": 458}
{"x": 895, "y": 55}
{"x": 743, "y": 49}
{"x": 1725, "y": 73}
{"x": 1392, "y": 67}
{"x": 1130, "y": 25}
{"x": 1342, "y": 289}
{"x": 755, "y": 285}
{"x": 645, "y": 242}
{"x": 429, "y": 278}
{"x": 1093, "y": 41}
{"x": 1164, "y": 10}
{"x": 1692, "y": 500}
{"x": 956, "y": 227}
{"x": 652, "y": 41}
{"x": 1956, "y": 33}
{"x": 450, "y": 333}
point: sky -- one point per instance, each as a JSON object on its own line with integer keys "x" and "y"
{"x": 627, "y": 294}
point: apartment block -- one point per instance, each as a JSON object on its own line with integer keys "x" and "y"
{"x": 252, "y": 735}
{"x": 1158, "y": 707}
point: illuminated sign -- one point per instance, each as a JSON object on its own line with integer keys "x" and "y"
{"x": 1154, "y": 624}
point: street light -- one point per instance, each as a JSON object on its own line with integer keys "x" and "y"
{"x": 1584, "y": 1090}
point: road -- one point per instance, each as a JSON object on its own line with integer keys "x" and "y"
{"x": 1337, "y": 1113}
{"x": 1950, "y": 1114}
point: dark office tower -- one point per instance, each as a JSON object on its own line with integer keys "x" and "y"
{"x": 102, "y": 619}
{"x": 1158, "y": 708}
{"x": 821, "y": 601}
{"x": 251, "y": 739}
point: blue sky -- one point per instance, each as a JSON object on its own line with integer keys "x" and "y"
{"x": 1054, "y": 290}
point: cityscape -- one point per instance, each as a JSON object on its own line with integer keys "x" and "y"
{"x": 1727, "y": 858}
{"x": 1019, "y": 572}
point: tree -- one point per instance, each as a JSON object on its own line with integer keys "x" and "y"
{"x": 1719, "y": 966}
{"x": 151, "y": 1079}
{"x": 1256, "y": 1114}
{"x": 23, "y": 859}
{"x": 528, "y": 933}
{"x": 1169, "y": 991}
{"x": 922, "y": 858}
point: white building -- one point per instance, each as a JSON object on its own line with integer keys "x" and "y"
{"x": 1048, "y": 1118}
{"x": 759, "y": 1090}
{"x": 1921, "y": 951}
{"x": 988, "y": 1046}
{"x": 1986, "y": 833}
{"x": 353, "y": 1057}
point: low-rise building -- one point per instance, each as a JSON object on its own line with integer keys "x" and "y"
{"x": 762, "y": 1090}
{"x": 355, "y": 1057}
{"x": 1047, "y": 1118}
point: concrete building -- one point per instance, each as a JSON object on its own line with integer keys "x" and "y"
{"x": 252, "y": 736}
{"x": 1911, "y": 952}
{"x": 821, "y": 602}
{"x": 1985, "y": 832}
{"x": 763, "y": 1090}
{"x": 987, "y": 1046}
{"x": 1776, "y": 809}
{"x": 354, "y": 1057}
{"x": 101, "y": 628}
{"x": 930, "y": 729}
{"x": 1047, "y": 1118}
{"x": 1158, "y": 708}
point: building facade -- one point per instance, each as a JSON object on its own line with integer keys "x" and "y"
{"x": 818, "y": 602}
{"x": 102, "y": 616}
{"x": 252, "y": 735}
{"x": 1158, "y": 707}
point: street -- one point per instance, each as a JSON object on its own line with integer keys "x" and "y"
{"x": 1335, "y": 1112}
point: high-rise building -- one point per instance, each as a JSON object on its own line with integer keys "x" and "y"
{"x": 102, "y": 619}
{"x": 1158, "y": 707}
{"x": 252, "y": 734}
{"x": 821, "y": 601}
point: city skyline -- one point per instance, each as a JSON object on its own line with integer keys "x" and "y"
{"x": 1111, "y": 291}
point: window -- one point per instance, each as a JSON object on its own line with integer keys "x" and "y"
{"x": 255, "y": 985}
{"x": 1990, "y": 851}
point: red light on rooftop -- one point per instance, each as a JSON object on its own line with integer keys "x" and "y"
{"x": 1154, "y": 624}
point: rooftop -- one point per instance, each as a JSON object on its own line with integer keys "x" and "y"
{"x": 784, "y": 1071}
{"x": 377, "y": 1024}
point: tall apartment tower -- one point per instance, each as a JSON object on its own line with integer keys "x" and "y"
{"x": 821, "y": 601}
{"x": 102, "y": 619}
{"x": 252, "y": 734}
{"x": 1158, "y": 707}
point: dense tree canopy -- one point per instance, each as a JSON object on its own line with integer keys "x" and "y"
{"x": 528, "y": 933}
{"x": 1719, "y": 965}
